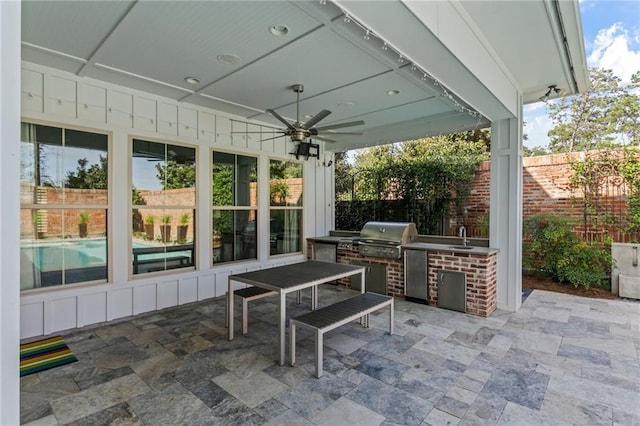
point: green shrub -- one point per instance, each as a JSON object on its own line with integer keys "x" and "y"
{"x": 552, "y": 247}
{"x": 548, "y": 238}
{"x": 587, "y": 265}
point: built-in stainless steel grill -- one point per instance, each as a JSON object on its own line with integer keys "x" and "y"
{"x": 383, "y": 239}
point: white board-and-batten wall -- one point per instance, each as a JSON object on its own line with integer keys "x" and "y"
{"x": 57, "y": 98}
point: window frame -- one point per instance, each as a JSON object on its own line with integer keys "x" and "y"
{"x": 299, "y": 208}
{"x": 234, "y": 208}
{"x": 193, "y": 209}
{"x": 81, "y": 208}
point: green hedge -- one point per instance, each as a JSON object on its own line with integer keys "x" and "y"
{"x": 551, "y": 246}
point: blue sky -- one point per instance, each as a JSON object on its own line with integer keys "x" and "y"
{"x": 611, "y": 31}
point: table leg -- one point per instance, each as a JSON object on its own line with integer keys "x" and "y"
{"x": 230, "y": 308}
{"x": 282, "y": 325}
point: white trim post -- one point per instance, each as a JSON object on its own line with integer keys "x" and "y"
{"x": 10, "y": 21}
{"x": 505, "y": 209}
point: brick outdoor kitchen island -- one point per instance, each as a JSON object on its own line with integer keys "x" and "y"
{"x": 477, "y": 263}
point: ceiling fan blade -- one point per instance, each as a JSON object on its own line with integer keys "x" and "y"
{"x": 316, "y": 118}
{"x": 279, "y": 117}
{"x": 324, "y": 139}
{"x": 268, "y": 139}
{"x": 279, "y": 130}
{"x": 344, "y": 133}
{"x": 340, "y": 125}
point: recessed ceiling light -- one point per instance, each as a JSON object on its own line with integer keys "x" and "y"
{"x": 393, "y": 92}
{"x": 279, "y": 30}
{"x": 192, "y": 80}
{"x": 307, "y": 116}
{"x": 228, "y": 58}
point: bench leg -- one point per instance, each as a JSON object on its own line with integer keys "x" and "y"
{"x": 245, "y": 315}
{"x": 314, "y": 297}
{"x": 391, "y": 318}
{"x": 292, "y": 343}
{"x": 318, "y": 354}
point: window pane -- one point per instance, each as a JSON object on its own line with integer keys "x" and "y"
{"x": 62, "y": 246}
{"x": 285, "y": 183}
{"x": 162, "y": 174}
{"x": 285, "y": 233}
{"x": 234, "y": 180}
{"x": 85, "y": 168}
{"x": 162, "y": 239}
{"x": 234, "y": 235}
{"x": 246, "y": 181}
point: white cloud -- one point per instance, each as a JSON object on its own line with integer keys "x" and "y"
{"x": 614, "y": 48}
{"x": 611, "y": 50}
{"x": 537, "y": 125}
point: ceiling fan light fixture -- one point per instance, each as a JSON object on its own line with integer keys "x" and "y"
{"x": 279, "y": 30}
{"x": 192, "y": 80}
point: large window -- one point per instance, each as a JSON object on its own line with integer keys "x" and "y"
{"x": 285, "y": 213}
{"x": 163, "y": 206}
{"x": 63, "y": 206}
{"x": 234, "y": 207}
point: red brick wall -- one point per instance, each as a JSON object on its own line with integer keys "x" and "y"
{"x": 545, "y": 190}
{"x": 56, "y": 224}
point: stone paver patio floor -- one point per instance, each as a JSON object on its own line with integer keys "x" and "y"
{"x": 559, "y": 360}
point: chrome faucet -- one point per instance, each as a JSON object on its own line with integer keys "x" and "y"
{"x": 462, "y": 233}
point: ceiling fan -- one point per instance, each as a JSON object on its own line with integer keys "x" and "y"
{"x": 300, "y": 132}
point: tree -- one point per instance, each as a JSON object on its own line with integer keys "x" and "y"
{"x": 174, "y": 175}
{"x": 95, "y": 177}
{"x": 343, "y": 171}
{"x": 535, "y": 151}
{"x": 428, "y": 176}
{"x": 584, "y": 122}
{"x": 625, "y": 113}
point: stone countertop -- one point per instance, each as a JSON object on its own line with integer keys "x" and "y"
{"x": 455, "y": 248}
{"x": 326, "y": 239}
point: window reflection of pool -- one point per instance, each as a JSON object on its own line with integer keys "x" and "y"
{"x": 44, "y": 264}
{"x": 52, "y": 263}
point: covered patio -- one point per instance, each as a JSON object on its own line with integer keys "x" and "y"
{"x": 558, "y": 360}
{"x": 204, "y": 84}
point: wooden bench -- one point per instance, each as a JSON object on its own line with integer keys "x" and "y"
{"x": 333, "y": 316}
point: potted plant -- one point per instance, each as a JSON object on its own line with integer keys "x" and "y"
{"x": 40, "y": 224}
{"x": 83, "y": 224}
{"x": 148, "y": 226}
{"x": 165, "y": 228}
{"x": 182, "y": 228}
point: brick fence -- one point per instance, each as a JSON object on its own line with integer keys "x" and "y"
{"x": 546, "y": 189}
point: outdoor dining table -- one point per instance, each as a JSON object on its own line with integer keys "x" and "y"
{"x": 290, "y": 278}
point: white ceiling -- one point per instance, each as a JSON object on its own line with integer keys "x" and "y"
{"x": 152, "y": 46}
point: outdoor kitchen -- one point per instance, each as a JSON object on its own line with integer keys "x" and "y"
{"x": 449, "y": 272}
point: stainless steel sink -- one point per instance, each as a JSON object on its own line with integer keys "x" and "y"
{"x": 461, "y": 247}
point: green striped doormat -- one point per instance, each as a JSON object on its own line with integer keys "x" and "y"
{"x": 44, "y": 354}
